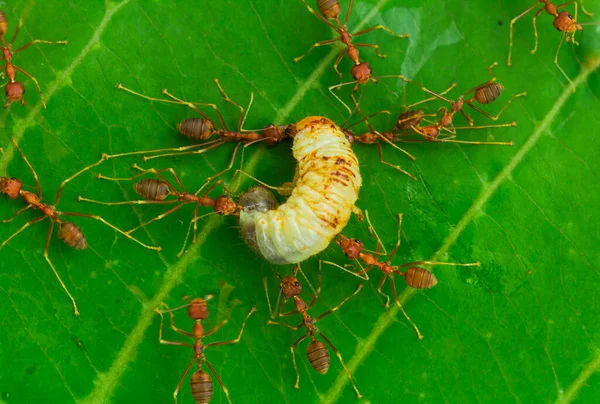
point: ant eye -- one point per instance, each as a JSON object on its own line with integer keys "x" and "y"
{"x": 14, "y": 178}
{"x": 297, "y": 284}
{"x": 570, "y": 16}
{"x": 221, "y": 213}
{"x": 5, "y": 193}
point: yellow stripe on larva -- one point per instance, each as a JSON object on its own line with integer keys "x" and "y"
{"x": 320, "y": 205}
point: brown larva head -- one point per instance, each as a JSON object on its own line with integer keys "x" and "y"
{"x": 361, "y": 72}
{"x": 290, "y": 287}
{"x": 14, "y": 91}
{"x": 351, "y": 247}
{"x": 224, "y": 205}
{"x": 10, "y": 187}
{"x": 197, "y": 310}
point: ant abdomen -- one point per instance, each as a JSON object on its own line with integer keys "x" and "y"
{"x": 202, "y": 387}
{"x": 329, "y": 8}
{"x": 196, "y": 128}
{"x": 152, "y": 189}
{"x": 318, "y": 356}
{"x": 72, "y": 235}
{"x": 408, "y": 119}
{"x": 488, "y": 93}
{"x": 420, "y": 278}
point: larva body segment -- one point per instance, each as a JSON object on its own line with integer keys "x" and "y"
{"x": 320, "y": 205}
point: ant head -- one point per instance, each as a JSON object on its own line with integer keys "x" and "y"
{"x": 273, "y": 134}
{"x": 350, "y": 246}
{"x": 10, "y": 187}
{"x": 349, "y": 135}
{"x": 224, "y": 205}
{"x": 14, "y": 91}
{"x": 361, "y": 72}
{"x": 197, "y": 310}
{"x": 290, "y": 287}
{"x": 457, "y": 106}
{"x": 564, "y": 22}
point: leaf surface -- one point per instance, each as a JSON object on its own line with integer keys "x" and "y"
{"x": 522, "y": 327}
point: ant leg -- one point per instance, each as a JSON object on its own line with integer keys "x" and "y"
{"x": 376, "y": 47}
{"x": 271, "y": 322}
{"x": 315, "y": 45}
{"x": 239, "y": 337}
{"x": 399, "y": 237}
{"x": 212, "y": 370}
{"x": 281, "y": 190}
{"x": 318, "y": 292}
{"x": 40, "y": 41}
{"x": 292, "y": 349}
{"x": 112, "y": 226}
{"x": 328, "y": 312}
{"x": 474, "y": 264}
{"x": 15, "y": 34}
{"x": 36, "y": 83}
{"x": 229, "y": 100}
{"x": 35, "y": 176}
{"x": 343, "y": 268}
{"x": 172, "y": 323}
{"x": 17, "y": 213}
{"x": 185, "y": 372}
{"x": 160, "y": 331}
{"x": 373, "y": 232}
{"x": 512, "y": 22}
{"x": 419, "y": 335}
{"x": 339, "y": 355}
{"x": 138, "y": 202}
{"x": 502, "y": 125}
{"x": 220, "y": 173}
{"x": 557, "y": 65}
{"x": 376, "y": 27}
{"x": 157, "y": 218}
{"x": 221, "y": 324}
{"x": 535, "y": 33}
{"x": 337, "y": 63}
{"x": 584, "y": 11}
{"x": 348, "y": 12}
{"x": 62, "y": 184}
{"x": 25, "y": 226}
{"x": 387, "y": 298}
{"x": 409, "y": 175}
{"x": 436, "y": 96}
{"x": 495, "y": 118}
{"x": 75, "y": 310}
{"x": 189, "y": 230}
{"x": 209, "y": 146}
{"x": 319, "y": 16}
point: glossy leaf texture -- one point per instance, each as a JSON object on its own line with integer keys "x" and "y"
{"x": 523, "y": 327}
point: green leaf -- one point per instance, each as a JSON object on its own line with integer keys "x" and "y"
{"x": 522, "y": 327}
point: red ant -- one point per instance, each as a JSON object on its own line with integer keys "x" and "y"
{"x": 14, "y": 89}
{"x": 317, "y": 352}
{"x": 200, "y": 383}
{"x": 330, "y": 9}
{"x": 484, "y": 93}
{"x": 155, "y": 191}
{"x": 415, "y": 276}
{"x": 68, "y": 232}
{"x": 204, "y": 128}
{"x": 563, "y": 22}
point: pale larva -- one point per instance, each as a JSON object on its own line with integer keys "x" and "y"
{"x": 326, "y": 187}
